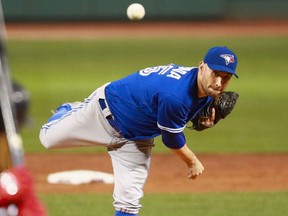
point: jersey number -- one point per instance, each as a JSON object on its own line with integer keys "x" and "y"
{"x": 169, "y": 71}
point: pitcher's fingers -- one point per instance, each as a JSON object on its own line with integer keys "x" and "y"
{"x": 213, "y": 113}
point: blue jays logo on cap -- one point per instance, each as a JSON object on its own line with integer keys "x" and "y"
{"x": 228, "y": 58}
{"x": 221, "y": 59}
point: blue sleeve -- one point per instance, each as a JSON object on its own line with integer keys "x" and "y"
{"x": 172, "y": 113}
{"x": 173, "y": 140}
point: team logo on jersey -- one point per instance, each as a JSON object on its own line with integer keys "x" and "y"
{"x": 228, "y": 58}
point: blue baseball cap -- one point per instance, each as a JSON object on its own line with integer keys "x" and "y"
{"x": 221, "y": 59}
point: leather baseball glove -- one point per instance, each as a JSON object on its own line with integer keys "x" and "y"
{"x": 223, "y": 106}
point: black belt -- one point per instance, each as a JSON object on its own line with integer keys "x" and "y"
{"x": 109, "y": 118}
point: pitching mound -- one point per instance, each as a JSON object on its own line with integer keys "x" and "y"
{"x": 223, "y": 173}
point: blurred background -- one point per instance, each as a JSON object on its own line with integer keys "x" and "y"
{"x": 61, "y": 51}
{"x": 113, "y": 10}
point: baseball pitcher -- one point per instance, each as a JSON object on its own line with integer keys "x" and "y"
{"x": 127, "y": 114}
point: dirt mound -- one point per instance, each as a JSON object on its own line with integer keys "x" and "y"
{"x": 223, "y": 173}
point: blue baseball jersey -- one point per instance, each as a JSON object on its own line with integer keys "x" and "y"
{"x": 154, "y": 101}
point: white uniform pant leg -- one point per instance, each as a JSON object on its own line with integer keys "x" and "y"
{"x": 84, "y": 125}
{"x": 131, "y": 165}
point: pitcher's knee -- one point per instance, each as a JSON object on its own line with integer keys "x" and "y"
{"x": 48, "y": 139}
{"x": 43, "y": 139}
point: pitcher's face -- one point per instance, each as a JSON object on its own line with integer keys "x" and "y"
{"x": 210, "y": 82}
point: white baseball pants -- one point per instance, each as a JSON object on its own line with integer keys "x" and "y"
{"x": 86, "y": 125}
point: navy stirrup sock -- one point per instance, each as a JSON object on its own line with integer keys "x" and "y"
{"x": 118, "y": 213}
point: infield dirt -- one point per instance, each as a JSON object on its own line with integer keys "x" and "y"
{"x": 223, "y": 173}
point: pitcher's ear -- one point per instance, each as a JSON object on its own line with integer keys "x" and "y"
{"x": 201, "y": 67}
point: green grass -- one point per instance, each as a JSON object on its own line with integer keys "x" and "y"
{"x": 196, "y": 204}
{"x": 58, "y": 71}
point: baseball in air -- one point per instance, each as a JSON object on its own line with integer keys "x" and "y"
{"x": 135, "y": 11}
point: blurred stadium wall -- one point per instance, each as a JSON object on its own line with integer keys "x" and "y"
{"x": 115, "y": 10}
